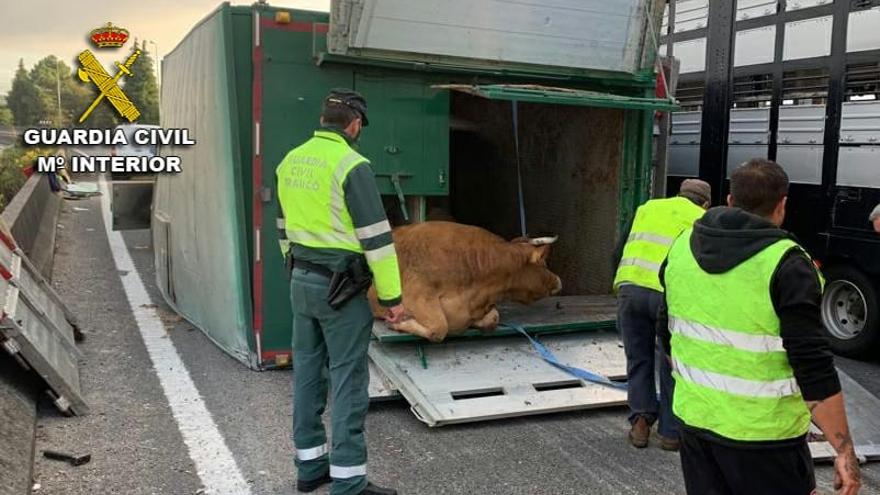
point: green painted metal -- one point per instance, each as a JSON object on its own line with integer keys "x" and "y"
{"x": 236, "y": 24}
{"x": 241, "y": 36}
{"x": 203, "y": 261}
{"x": 628, "y": 196}
{"x": 644, "y": 165}
{"x": 293, "y": 91}
{"x": 636, "y": 166}
{"x": 565, "y": 96}
{"x": 408, "y": 136}
{"x": 424, "y": 359}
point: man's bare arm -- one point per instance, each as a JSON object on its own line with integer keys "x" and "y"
{"x": 830, "y": 416}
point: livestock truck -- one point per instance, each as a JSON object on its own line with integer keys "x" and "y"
{"x": 797, "y": 82}
{"x": 521, "y": 118}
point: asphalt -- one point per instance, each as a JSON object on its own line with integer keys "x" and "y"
{"x": 137, "y": 448}
{"x": 130, "y": 433}
{"x": 19, "y": 390}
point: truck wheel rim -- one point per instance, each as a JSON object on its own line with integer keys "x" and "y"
{"x": 844, "y": 310}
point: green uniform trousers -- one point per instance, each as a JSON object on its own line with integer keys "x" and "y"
{"x": 330, "y": 344}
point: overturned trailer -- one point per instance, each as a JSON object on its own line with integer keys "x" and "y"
{"x": 533, "y": 118}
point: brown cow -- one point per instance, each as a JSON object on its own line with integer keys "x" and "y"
{"x": 454, "y": 274}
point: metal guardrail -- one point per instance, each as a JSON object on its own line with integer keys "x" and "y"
{"x": 37, "y": 329}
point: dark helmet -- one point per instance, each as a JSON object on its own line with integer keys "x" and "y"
{"x": 350, "y": 98}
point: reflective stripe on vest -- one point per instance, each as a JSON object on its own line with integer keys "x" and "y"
{"x": 374, "y": 230}
{"x": 656, "y": 239}
{"x": 647, "y": 265}
{"x": 734, "y": 385}
{"x": 380, "y": 254}
{"x": 656, "y": 225}
{"x": 337, "y": 194}
{"x": 739, "y": 340}
{"x": 732, "y": 374}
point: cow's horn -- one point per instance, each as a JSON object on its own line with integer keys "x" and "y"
{"x": 540, "y": 241}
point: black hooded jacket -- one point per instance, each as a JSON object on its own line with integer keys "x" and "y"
{"x": 724, "y": 238}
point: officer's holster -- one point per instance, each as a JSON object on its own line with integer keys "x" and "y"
{"x": 346, "y": 285}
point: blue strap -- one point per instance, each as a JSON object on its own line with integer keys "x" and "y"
{"x": 522, "y": 206}
{"x": 581, "y": 373}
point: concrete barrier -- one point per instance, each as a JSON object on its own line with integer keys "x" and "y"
{"x": 31, "y": 216}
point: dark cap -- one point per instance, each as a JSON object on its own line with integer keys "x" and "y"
{"x": 350, "y": 98}
{"x": 696, "y": 187}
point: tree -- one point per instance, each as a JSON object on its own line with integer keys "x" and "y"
{"x": 104, "y": 116}
{"x": 142, "y": 89}
{"x": 24, "y": 99}
{"x": 76, "y": 95}
{"x": 50, "y": 74}
{"x": 5, "y": 117}
{"x": 43, "y": 72}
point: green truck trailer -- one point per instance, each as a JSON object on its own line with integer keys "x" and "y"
{"x": 509, "y": 116}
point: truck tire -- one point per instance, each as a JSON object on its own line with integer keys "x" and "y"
{"x": 851, "y": 311}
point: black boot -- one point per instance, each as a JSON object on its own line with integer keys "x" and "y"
{"x": 306, "y": 486}
{"x": 372, "y": 489}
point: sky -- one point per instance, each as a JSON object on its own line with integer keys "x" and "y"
{"x": 33, "y": 29}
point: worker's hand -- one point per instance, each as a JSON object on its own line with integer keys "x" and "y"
{"x": 847, "y": 478}
{"x": 395, "y": 314}
{"x": 877, "y": 225}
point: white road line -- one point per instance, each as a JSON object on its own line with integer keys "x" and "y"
{"x": 207, "y": 448}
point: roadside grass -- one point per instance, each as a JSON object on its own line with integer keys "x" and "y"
{"x": 13, "y": 161}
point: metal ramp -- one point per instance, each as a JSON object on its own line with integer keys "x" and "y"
{"x": 37, "y": 329}
{"x": 469, "y": 379}
{"x": 380, "y": 387}
{"x": 864, "y": 423}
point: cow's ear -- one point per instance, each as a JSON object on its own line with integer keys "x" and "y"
{"x": 540, "y": 254}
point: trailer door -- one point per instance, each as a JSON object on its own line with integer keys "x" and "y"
{"x": 576, "y": 35}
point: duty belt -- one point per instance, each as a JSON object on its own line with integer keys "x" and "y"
{"x": 313, "y": 267}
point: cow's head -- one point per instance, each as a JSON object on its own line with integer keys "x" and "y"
{"x": 540, "y": 247}
{"x": 533, "y": 280}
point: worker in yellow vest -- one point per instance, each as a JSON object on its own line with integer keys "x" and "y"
{"x": 339, "y": 242}
{"x": 751, "y": 362}
{"x": 656, "y": 224}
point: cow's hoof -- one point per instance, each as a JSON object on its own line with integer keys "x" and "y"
{"x": 489, "y": 322}
{"x": 435, "y": 337}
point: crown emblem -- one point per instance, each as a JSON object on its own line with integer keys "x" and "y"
{"x": 109, "y": 36}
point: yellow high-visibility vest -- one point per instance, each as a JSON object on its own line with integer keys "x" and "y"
{"x": 732, "y": 375}
{"x": 656, "y": 225}
{"x": 310, "y": 191}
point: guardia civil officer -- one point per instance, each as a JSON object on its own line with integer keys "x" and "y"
{"x": 641, "y": 251}
{"x": 751, "y": 363}
{"x": 339, "y": 239}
